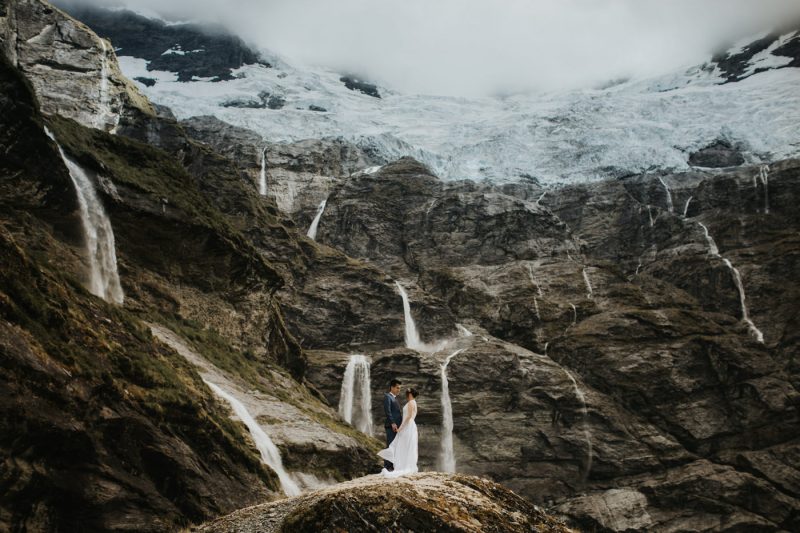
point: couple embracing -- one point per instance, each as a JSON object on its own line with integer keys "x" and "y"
{"x": 400, "y": 457}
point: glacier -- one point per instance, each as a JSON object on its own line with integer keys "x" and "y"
{"x": 629, "y": 127}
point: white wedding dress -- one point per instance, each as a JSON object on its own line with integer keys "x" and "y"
{"x": 402, "y": 452}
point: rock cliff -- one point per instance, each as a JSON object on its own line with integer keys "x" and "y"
{"x": 623, "y": 352}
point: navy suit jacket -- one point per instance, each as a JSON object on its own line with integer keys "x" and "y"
{"x": 392, "y": 411}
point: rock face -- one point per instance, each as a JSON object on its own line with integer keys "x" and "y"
{"x": 624, "y": 352}
{"x": 298, "y": 175}
{"x": 777, "y": 49}
{"x": 74, "y": 73}
{"x": 421, "y": 502}
{"x": 719, "y": 154}
{"x": 621, "y": 292}
{"x": 105, "y": 427}
{"x": 191, "y": 51}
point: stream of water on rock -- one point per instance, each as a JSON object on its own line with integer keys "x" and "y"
{"x": 686, "y": 207}
{"x": 589, "y": 289}
{"x": 737, "y": 279}
{"x": 587, "y": 434}
{"x": 355, "y": 402}
{"x": 670, "y": 205}
{"x": 447, "y": 459}
{"x": 262, "y": 176}
{"x": 106, "y": 113}
{"x": 312, "y": 230}
{"x": 763, "y": 175}
{"x": 412, "y": 338}
{"x": 97, "y": 232}
{"x": 270, "y": 455}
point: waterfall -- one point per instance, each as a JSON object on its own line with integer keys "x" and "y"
{"x": 589, "y": 291}
{"x": 539, "y": 201}
{"x": 105, "y": 112}
{"x": 356, "y": 384}
{"x": 574, "y": 314}
{"x": 534, "y": 282}
{"x": 462, "y": 331}
{"x": 712, "y": 246}
{"x": 270, "y": 455}
{"x": 763, "y": 174}
{"x": 536, "y": 309}
{"x": 650, "y": 216}
{"x": 312, "y": 231}
{"x": 670, "y": 206}
{"x": 586, "y": 432}
{"x": 737, "y": 279}
{"x": 412, "y": 337}
{"x": 262, "y": 177}
{"x": 686, "y": 207}
{"x": 448, "y": 456}
{"x": 97, "y": 232}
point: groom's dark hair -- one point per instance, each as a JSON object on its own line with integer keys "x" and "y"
{"x": 394, "y": 382}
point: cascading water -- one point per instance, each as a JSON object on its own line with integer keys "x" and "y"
{"x": 686, "y": 207}
{"x": 412, "y": 337}
{"x": 670, "y": 205}
{"x": 763, "y": 175}
{"x": 262, "y": 176}
{"x": 586, "y": 432}
{"x": 105, "y": 116}
{"x": 447, "y": 459}
{"x": 539, "y": 201}
{"x": 737, "y": 279}
{"x": 97, "y": 232}
{"x": 588, "y": 282}
{"x": 355, "y": 403}
{"x": 462, "y": 331}
{"x": 712, "y": 246}
{"x": 650, "y": 216}
{"x": 312, "y": 230}
{"x": 574, "y": 314}
{"x": 534, "y": 282}
{"x": 270, "y": 455}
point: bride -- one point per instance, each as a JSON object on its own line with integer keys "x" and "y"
{"x": 403, "y": 449}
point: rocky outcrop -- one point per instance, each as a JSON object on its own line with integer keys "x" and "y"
{"x": 616, "y": 289}
{"x": 102, "y": 429}
{"x": 80, "y": 373}
{"x": 191, "y": 51}
{"x": 298, "y": 175}
{"x": 780, "y": 48}
{"x": 364, "y": 87}
{"x": 74, "y": 72}
{"x": 719, "y": 154}
{"x": 430, "y": 502}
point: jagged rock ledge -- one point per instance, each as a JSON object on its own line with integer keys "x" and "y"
{"x": 429, "y": 501}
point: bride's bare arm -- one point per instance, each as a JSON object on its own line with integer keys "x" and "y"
{"x": 412, "y": 414}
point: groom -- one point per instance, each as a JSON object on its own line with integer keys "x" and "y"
{"x": 394, "y": 416}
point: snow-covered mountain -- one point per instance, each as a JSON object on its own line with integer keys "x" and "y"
{"x": 744, "y": 99}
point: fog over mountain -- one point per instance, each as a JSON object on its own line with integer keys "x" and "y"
{"x": 475, "y": 47}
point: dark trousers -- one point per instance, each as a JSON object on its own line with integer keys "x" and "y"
{"x": 390, "y": 435}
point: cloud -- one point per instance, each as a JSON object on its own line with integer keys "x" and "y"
{"x": 478, "y": 47}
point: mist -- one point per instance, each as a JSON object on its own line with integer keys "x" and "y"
{"x": 482, "y": 47}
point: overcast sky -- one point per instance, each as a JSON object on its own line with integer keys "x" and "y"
{"x": 474, "y": 47}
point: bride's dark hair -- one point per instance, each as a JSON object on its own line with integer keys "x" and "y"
{"x": 413, "y": 392}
